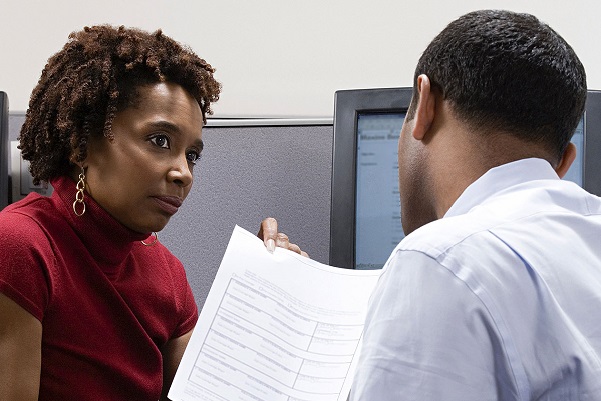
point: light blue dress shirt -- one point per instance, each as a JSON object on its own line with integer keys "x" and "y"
{"x": 498, "y": 300}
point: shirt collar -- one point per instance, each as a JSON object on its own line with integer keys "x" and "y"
{"x": 500, "y": 178}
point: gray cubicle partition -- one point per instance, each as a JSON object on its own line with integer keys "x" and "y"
{"x": 4, "y": 150}
{"x": 251, "y": 169}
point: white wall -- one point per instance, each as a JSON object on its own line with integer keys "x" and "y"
{"x": 277, "y": 57}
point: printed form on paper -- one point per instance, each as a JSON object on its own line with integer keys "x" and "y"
{"x": 275, "y": 327}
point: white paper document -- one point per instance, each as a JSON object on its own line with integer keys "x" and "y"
{"x": 275, "y": 327}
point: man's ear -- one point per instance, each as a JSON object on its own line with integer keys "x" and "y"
{"x": 569, "y": 155}
{"x": 426, "y": 107}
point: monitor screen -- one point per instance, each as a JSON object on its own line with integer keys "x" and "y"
{"x": 377, "y": 202}
{"x": 365, "y": 223}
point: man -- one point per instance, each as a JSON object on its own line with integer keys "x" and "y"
{"x": 495, "y": 293}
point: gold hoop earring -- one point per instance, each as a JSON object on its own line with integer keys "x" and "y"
{"x": 79, "y": 196}
{"x": 156, "y": 239}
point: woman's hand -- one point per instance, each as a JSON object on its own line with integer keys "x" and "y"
{"x": 272, "y": 238}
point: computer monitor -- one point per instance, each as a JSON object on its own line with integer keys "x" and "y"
{"x": 365, "y": 221}
{"x": 4, "y": 151}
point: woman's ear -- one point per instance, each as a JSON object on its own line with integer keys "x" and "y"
{"x": 74, "y": 157}
{"x": 569, "y": 155}
{"x": 76, "y": 165}
{"x": 425, "y": 109}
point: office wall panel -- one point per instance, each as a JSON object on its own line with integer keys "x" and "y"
{"x": 277, "y": 58}
{"x": 248, "y": 173}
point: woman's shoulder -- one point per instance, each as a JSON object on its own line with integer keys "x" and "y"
{"x": 26, "y": 218}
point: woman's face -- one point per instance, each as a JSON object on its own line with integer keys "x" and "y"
{"x": 144, "y": 174}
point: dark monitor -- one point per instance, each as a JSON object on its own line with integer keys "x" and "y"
{"x": 365, "y": 221}
{"x": 4, "y": 150}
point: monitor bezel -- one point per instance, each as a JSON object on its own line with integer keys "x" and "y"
{"x": 591, "y": 180}
{"x": 348, "y": 104}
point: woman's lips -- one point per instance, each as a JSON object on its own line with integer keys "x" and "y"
{"x": 169, "y": 204}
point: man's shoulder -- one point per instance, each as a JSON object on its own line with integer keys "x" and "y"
{"x": 512, "y": 210}
{"x": 438, "y": 236}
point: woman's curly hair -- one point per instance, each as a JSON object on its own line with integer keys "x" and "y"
{"x": 95, "y": 75}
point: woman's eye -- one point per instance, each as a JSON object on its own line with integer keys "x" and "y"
{"x": 192, "y": 156}
{"x": 161, "y": 141}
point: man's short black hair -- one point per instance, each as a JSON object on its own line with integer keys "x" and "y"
{"x": 507, "y": 72}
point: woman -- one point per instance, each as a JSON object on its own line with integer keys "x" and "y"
{"x": 92, "y": 305}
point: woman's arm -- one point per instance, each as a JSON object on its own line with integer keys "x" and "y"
{"x": 172, "y": 352}
{"x": 20, "y": 352}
